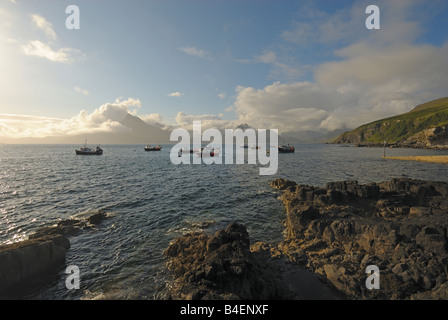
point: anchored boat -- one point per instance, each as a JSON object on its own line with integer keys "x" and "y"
{"x": 86, "y": 151}
{"x": 286, "y": 149}
{"x": 150, "y": 148}
{"x": 208, "y": 152}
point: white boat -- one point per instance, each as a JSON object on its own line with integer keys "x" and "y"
{"x": 86, "y": 151}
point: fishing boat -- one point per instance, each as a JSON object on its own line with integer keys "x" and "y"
{"x": 186, "y": 150}
{"x": 207, "y": 152}
{"x": 150, "y": 148}
{"x": 86, "y": 151}
{"x": 286, "y": 149}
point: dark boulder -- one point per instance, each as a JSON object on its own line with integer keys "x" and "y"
{"x": 29, "y": 260}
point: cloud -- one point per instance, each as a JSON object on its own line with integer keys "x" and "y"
{"x": 5, "y": 19}
{"x": 156, "y": 119}
{"x": 42, "y": 24}
{"x": 42, "y": 50}
{"x": 399, "y": 21}
{"x": 222, "y": 95}
{"x": 370, "y": 83}
{"x": 370, "y": 75}
{"x": 280, "y": 68}
{"x": 175, "y": 94}
{"x": 195, "y": 52}
{"x": 49, "y": 51}
{"x": 105, "y": 118}
{"x": 207, "y": 121}
{"x": 80, "y": 90}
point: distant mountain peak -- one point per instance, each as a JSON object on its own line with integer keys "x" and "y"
{"x": 244, "y": 126}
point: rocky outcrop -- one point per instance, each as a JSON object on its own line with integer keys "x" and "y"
{"x": 433, "y": 138}
{"x": 398, "y": 225}
{"x": 71, "y": 227}
{"x": 28, "y": 260}
{"x": 31, "y": 261}
{"x": 221, "y": 266}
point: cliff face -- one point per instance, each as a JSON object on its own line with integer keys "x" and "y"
{"x": 433, "y": 137}
{"x": 399, "y": 225}
{"x": 425, "y": 126}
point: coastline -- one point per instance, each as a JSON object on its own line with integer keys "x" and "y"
{"x": 433, "y": 159}
{"x": 392, "y": 146}
{"x": 336, "y": 233}
{"x": 331, "y": 234}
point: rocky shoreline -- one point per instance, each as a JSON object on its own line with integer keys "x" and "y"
{"x": 335, "y": 232}
{"x": 400, "y": 145}
{"x": 30, "y": 263}
{"x": 398, "y": 225}
{"x": 331, "y": 235}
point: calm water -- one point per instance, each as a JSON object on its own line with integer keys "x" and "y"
{"x": 151, "y": 202}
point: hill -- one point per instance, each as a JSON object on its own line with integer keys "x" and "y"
{"x": 424, "y": 126}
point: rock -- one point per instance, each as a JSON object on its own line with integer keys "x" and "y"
{"x": 71, "y": 226}
{"x": 221, "y": 267}
{"x": 96, "y": 218}
{"x": 399, "y": 225}
{"x": 282, "y": 184}
{"x": 433, "y": 240}
{"x": 29, "y": 260}
{"x": 419, "y": 211}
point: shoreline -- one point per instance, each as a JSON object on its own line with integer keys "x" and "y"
{"x": 331, "y": 235}
{"x": 391, "y": 146}
{"x": 432, "y": 159}
{"x": 398, "y": 226}
{"x": 335, "y": 233}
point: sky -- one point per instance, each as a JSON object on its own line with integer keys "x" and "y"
{"x": 281, "y": 64}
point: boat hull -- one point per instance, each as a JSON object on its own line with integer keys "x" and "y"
{"x": 89, "y": 153}
{"x": 286, "y": 150}
{"x": 153, "y": 149}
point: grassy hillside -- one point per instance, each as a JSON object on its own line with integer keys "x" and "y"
{"x": 398, "y": 128}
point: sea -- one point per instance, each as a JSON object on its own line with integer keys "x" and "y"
{"x": 150, "y": 202}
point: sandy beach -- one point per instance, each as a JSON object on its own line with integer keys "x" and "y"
{"x": 435, "y": 159}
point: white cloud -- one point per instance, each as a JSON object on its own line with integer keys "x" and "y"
{"x": 222, "y": 95}
{"x": 175, "y": 94}
{"x": 106, "y": 118}
{"x": 42, "y": 24}
{"x": 372, "y": 82}
{"x": 5, "y": 19}
{"x": 39, "y": 49}
{"x": 49, "y": 50}
{"x": 192, "y": 51}
{"x": 156, "y": 119}
{"x": 280, "y": 68}
{"x": 375, "y": 75}
{"x": 207, "y": 121}
{"x": 80, "y": 90}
